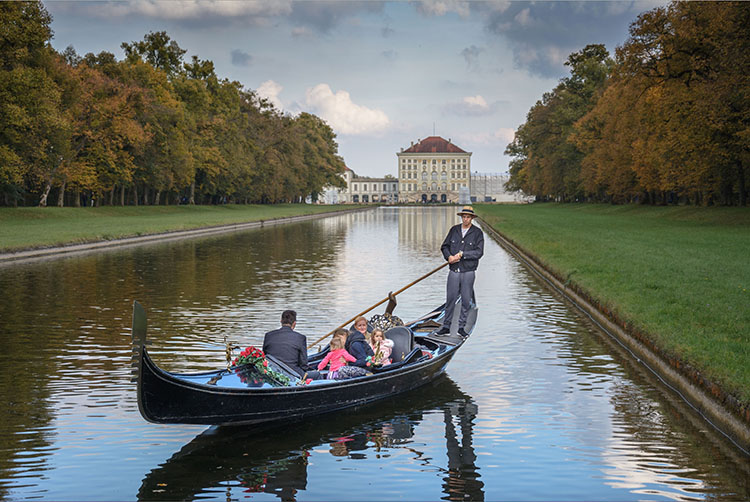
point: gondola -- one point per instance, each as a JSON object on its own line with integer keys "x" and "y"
{"x": 243, "y": 395}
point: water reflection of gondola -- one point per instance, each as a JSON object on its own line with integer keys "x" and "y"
{"x": 273, "y": 460}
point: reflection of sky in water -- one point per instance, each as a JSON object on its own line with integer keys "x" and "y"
{"x": 552, "y": 413}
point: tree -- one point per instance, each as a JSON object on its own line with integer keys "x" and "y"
{"x": 545, "y": 160}
{"x": 677, "y": 109}
{"x": 29, "y": 98}
{"x": 158, "y": 50}
{"x": 103, "y": 131}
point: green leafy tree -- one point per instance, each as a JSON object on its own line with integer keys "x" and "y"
{"x": 157, "y": 49}
{"x": 545, "y": 161}
{"x": 29, "y": 99}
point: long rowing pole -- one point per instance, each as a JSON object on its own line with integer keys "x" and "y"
{"x": 377, "y": 304}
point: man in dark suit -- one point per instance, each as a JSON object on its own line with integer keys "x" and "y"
{"x": 287, "y": 345}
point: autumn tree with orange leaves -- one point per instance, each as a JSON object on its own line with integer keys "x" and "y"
{"x": 672, "y": 122}
{"x": 149, "y": 129}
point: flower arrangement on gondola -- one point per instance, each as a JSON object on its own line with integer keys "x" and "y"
{"x": 257, "y": 359}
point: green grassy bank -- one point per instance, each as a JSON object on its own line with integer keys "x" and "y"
{"x": 679, "y": 274}
{"x": 24, "y": 228}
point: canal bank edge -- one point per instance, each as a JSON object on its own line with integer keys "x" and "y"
{"x": 36, "y": 254}
{"x": 722, "y": 410}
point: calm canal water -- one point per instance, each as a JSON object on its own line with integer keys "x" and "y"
{"x": 537, "y": 405}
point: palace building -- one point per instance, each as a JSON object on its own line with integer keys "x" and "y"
{"x": 434, "y": 170}
{"x": 362, "y": 190}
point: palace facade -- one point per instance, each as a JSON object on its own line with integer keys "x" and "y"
{"x": 434, "y": 170}
{"x": 362, "y": 190}
{"x": 431, "y": 170}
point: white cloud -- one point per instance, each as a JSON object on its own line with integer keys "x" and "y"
{"x": 472, "y": 106}
{"x": 342, "y": 114}
{"x": 442, "y": 7}
{"x": 476, "y": 102}
{"x": 270, "y": 90}
{"x": 524, "y": 17}
{"x": 194, "y": 9}
{"x": 505, "y": 135}
{"x": 301, "y": 31}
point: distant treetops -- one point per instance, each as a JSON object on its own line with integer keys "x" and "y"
{"x": 666, "y": 121}
{"x": 151, "y": 129}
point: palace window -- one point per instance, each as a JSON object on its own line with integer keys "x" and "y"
{"x": 355, "y": 189}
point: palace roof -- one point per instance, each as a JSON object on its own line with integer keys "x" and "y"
{"x": 434, "y": 144}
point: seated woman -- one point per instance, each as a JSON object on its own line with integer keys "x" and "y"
{"x": 356, "y": 345}
{"x": 382, "y": 348}
{"x": 361, "y": 326}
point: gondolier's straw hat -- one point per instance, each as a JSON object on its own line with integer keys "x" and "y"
{"x": 468, "y": 210}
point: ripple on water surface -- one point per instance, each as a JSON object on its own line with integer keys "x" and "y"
{"x": 535, "y": 406}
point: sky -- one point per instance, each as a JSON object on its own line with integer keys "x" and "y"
{"x": 381, "y": 74}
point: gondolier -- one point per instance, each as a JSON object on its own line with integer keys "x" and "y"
{"x": 462, "y": 248}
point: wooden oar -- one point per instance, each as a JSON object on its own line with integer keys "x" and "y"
{"x": 377, "y": 304}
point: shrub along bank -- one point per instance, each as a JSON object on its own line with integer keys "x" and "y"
{"x": 681, "y": 275}
{"x": 24, "y": 228}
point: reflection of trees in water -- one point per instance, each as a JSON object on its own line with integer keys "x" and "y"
{"x": 653, "y": 437}
{"x": 274, "y": 460}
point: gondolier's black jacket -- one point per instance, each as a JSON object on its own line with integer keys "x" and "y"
{"x": 472, "y": 245}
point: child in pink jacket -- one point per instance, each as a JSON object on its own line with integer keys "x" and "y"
{"x": 336, "y": 358}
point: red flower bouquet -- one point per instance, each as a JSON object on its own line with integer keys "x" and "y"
{"x": 256, "y": 359}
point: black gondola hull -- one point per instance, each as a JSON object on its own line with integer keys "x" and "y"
{"x": 169, "y": 398}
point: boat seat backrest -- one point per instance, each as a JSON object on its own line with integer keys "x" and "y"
{"x": 403, "y": 342}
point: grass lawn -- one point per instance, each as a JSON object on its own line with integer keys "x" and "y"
{"x": 679, "y": 274}
{"x": 33, "y": 227}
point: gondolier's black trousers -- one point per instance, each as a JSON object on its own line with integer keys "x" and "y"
{"x": 459, "y": 283}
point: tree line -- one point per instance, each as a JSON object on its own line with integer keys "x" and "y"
{"x": 666, "y": 121}
{"x": 149, "y": 129}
